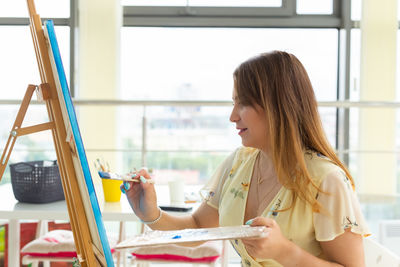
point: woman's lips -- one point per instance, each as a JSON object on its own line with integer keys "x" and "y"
{"x": 242, "y": 131}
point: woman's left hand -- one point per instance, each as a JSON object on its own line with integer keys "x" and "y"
{"x": 273, "y": 246}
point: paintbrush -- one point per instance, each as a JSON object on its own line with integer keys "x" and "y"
{"x": 128, "y": 178}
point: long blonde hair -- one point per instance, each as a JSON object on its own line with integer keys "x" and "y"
{"x": 278, "y": 82}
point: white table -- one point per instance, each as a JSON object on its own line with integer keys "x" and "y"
{"x": 14, "y": 211}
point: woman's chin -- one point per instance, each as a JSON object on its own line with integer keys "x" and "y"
{"x": 249, "y": 144}
{"x": 246, "y": 144}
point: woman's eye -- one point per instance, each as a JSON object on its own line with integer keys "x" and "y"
{"x": 236, "y": 103}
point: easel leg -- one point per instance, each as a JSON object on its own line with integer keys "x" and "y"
{"x": 17, "y": 125}
{"x": 121, "y": 237}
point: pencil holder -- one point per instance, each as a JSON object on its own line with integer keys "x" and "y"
{"x": 111, "y": 190}
{"x": 36, "y": 181}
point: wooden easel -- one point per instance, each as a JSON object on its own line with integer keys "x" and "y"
{"x": 88, "y": 253}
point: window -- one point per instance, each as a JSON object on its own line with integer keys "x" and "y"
{"x": 45, "y": 8}
{"x": 184, "y": 73}
{"x": 314, "y": 7}
{"x": 213, "y": 3}
{"x": 163, "y": 63}
{"x": 160, "y": 61}
{"x": 18, "y": 66}
{"x": 18, "y": 69}
{"x": 177, "y": 60}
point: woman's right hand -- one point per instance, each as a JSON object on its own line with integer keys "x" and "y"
{"x": 142, "y": 196}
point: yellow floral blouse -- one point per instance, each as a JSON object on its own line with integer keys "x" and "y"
{"x": 225, "y": 192}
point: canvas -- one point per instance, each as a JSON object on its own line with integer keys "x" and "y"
{"x": 81, "y": 165}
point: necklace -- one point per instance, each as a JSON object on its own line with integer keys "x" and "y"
{"x": 265, "y": 175}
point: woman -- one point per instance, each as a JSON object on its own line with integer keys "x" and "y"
{"x": 285, "y": 177}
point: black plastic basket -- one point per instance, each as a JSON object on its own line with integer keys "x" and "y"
{"x": 34, "y": 182}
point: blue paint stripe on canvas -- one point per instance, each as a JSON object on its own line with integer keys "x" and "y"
{"x": 79, "y": 144}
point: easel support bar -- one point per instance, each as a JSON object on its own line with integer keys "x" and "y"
{"x": 33, "y": 129}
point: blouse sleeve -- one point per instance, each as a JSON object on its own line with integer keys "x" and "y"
{"x": 341, "y": 209}
{"x": 211, "y": 191}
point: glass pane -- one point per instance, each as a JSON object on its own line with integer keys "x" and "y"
{"x": 379, "y": 208}
{"x": 213, "y": 3}
{"x": 376, "y": 207}
{"x": 314, "y": 7}
{"x": 398, "y": 67}
{"x": 355, "y": 50}
{"x": 353, "y": 129}
{"x": 37, "y": 146}
{"x": 356, "y": 6}
{"x": 153, "y": 2}
{"x": 186, "y": 141}
{"x": 18, "y": 66}
{"x": 398, "y": 11}
{"x": 130, "y": 128}
{"x": 193, "y": 167}
{"x": 130, "y": 160}
{"x": 358, "y": 145}
{"x": 328, "y": 118}
{"x": 197, "y": 63}
{"x": 355, "y": 68}
{"x": 191, "y": 128}
{"x": 45, "y": 8}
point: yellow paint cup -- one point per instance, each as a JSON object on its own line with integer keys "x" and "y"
{"x": 111, "y": 190}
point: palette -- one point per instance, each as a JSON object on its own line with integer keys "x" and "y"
{"x": 193, "y": 235}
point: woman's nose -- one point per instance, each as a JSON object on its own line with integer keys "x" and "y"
{"x": 234, "y": 117}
